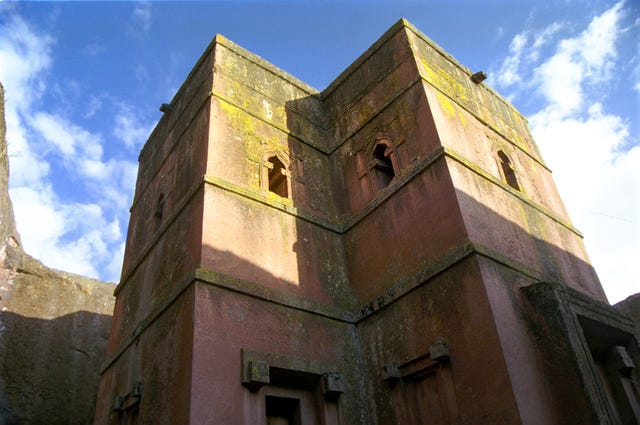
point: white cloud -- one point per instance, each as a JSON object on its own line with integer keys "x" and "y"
{"x": 94, "y": 169}
{"x": 39, "y": 221}
{"x": 525, "y": 49}
{"x": 577, "y": 146}
{"x": 26, "y": 168}
{"x": 509, "y": 71}
{"x": 561, "y": 82}
{"x": 596, "y": 45}
{"x": 129, "y": 128}
{"x": 67, "y": 137}
{"x": 113, "y": 180}
{"x": 24, "y": 58}
{"x": 24, "y": 55}
{"x": 580, "y": 62}
{"x": 54, "y": 132}
{"x": 74, "y": 237}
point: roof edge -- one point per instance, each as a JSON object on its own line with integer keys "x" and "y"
{"x": 263, "y": 63}
{"x": 457, "y": 63}
{"x": 388, "y": 34}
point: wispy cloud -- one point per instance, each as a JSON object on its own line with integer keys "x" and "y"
{"x": 596, "y": 161}
{"x": 94, "y": 106}
{"x": 66, "y": 236}
{"x": 24, "y": 56}
{"x": 24, "y": 59}
{"x": 69, "y": 139}
{"x": 580, "y": 62}
{"x": 142, "y": 17}
{"x": 509, "y": 73}
{"x": 524, "y": 50}
{"x": 129, "y": 128}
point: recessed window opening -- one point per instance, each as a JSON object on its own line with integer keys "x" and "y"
{"x": 382, "y": 165}
{"x": 508, "y": 171}
{"x": 278, "y": 177}
{"x": 282, "y": 410}
{"x": 159, "y": 212}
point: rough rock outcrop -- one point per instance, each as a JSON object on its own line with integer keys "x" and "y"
{"x": 54, "y": 328}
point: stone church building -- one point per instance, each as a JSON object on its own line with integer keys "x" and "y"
{"x": 390, "y": 250}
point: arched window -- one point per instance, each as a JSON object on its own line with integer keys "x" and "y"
{"x": 382, "y": 165}
{"x": 278, "y": 177}
{"x": 508, "y": 172}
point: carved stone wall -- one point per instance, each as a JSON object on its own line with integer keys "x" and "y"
{"x": 375, "y": 253}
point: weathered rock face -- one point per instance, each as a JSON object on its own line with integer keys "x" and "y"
{"x": 54, "y": 328}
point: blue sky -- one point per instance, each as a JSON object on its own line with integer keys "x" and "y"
{"x": 83, "y": 84}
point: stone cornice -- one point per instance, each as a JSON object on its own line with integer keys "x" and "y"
{"x": 285, "y": 299}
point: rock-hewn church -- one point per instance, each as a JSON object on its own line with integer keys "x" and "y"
{"x": 390, "y": 250}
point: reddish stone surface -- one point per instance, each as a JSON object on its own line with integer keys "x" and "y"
{"x": 408, "y": 276}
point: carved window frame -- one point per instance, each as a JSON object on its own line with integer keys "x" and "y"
{"x": 374, "y": 171}
{"x": 378, "y": 168}
{"x": 313, "y": 383}
{"x": 266, "y": 168}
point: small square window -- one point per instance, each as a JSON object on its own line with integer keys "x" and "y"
{"x": 282, "y": 410}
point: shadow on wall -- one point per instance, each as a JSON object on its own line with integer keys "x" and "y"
{"x": 49, "y": 367}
